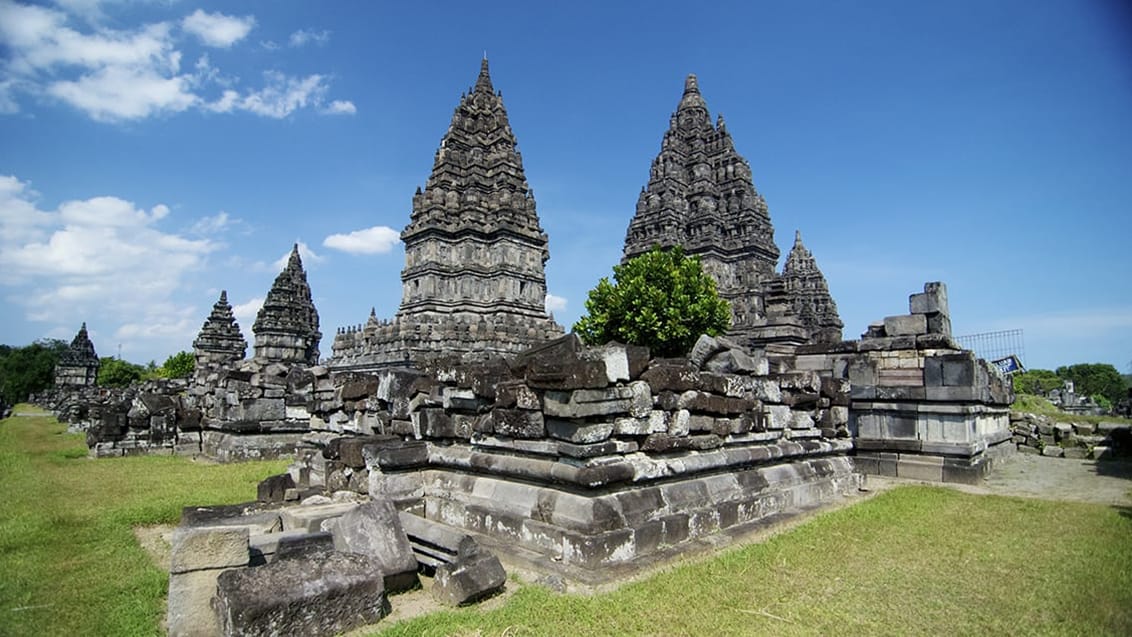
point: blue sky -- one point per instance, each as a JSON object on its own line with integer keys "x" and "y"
{"x": 154, "y": 153}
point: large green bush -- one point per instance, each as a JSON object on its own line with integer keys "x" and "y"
{"x": 661, "y": 299}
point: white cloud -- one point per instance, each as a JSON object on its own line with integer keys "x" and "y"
{"x": 340, "y": 107}
{"x": 104, "y": 260}
{"x": 283, "y": 95}
{"x": 216, "y": 29}
{"x": 134, "y": 73}
{"x": 375, "y": 240}
{"x": 245, "y": 312}
{"x": 303, "y": 37}
{"x": 555, "y": 303}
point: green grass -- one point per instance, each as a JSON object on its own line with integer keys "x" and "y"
{"x": 69, "y": 562}
{"x": 916, "y": 560}
{"x": 913, "y": 561}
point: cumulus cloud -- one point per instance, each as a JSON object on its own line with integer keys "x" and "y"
{"x": 245, "y": 312}
{"x": 134, "y": 73}
{"x": 216, "y": 29}
{"x": 555, "y": 303}
{"x": 102, "y": 259}
{"x": 375, "y": 240}
{"x": 303, "y": 37}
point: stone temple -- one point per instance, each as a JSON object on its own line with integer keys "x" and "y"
{"x": 78, "y": 365}
{"x": 286, "y": 328}
{"x": 701, "y": 196}
{"x": 474, "y": 283}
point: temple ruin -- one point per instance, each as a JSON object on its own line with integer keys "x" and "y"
{"x": 467, "y": 434}
{"x": 78, "y": 364}
{"x": 474, "y": 283}
{"x": 701, "y": 196}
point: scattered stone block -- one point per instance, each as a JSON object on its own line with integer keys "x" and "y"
{"x": 274, "y": 488}
{"x": 1053, "y": 451}
{"x": 309, "y": 517}
{"x": 198, "y": 548}
{"x": 314, "y": 595}
{"x": 374, "y": 529}
{"x": 474, "y": 575}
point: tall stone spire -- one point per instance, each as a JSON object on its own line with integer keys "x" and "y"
{"x": 700, "y": 195}
{"x": 286, "y": 328}
{"x": 474, "y": 281}
{"x": 78, "y": 364}
{"x": 809, "y": 294}
{"x": 219, "y": 342}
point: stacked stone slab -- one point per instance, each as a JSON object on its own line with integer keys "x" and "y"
{"x": 78, "y": 364}
{"x": 591, "y": 458}
{"x": 1040, "y": 434}
{"x": 921, "y": 407}
{"x": 286, "y": 327}
{"x": 474, "y": 281}
{"x": 701, "y": 197}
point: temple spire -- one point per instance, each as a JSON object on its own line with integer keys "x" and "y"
{"x": 483, "y": 82}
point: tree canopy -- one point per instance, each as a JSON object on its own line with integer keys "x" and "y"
{"x": 28, "y": 370}
{"x": 1095, "y": 379}
{"x": 662, "y": 299}
{"x": 115, "y": 372}
{"x": 179, "y": 365}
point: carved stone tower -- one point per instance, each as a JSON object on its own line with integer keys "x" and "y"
{"x": 286, "y": 328}
{"x": 474, "y": 282}
{"x": 220, "y": 343}
{"x": 78, "y": 365}
{"x": 809, "y": 295}
{"x": 701, "y": 196}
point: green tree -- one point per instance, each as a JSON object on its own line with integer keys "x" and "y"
{"x": 179, "y": 365}
{"x": 118, "y": 373}
{"x": 661, "y": 299}
{"x": 1038, "y": 382}
{"x": 30, "y": 369}
{"x": 1095, "y": 379}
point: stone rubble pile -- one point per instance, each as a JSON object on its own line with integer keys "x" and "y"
{"x": 1040, "y": 434}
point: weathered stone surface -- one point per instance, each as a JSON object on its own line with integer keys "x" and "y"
{"x": 518, "y": 423}
{"x": 274, "y": 488}
{"x": 286, "y": 327}
{"x": 318, "y": 595}
{"x": 579, "y": 432}
{"x": 905, "y": 325}
{"x": 210, "y": 547}
{"x": 309, "y": 516}
{"x": 188, "y": 611}
{"x": 474, "y": 575}
{"x": 374, "y": 529}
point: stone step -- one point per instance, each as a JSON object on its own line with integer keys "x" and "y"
{"x": 434, "y": 543}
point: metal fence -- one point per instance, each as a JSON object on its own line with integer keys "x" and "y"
{"x": 996, "y": 345}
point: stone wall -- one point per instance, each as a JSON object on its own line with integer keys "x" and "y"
{"x": 920, "y": 407}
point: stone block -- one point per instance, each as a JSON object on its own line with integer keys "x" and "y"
{"x": 704, "y": 348}
{"x": 518, "y": 423}
{"x": 906, "y": 325}
{"x": 310, "y": 517}
{"x": 1076, "y": 453}
{"x": 579, "y": 432}
{"x": 1053, "y": 451}
{"x": 339, "y": 592}
{"x": 1084, "y": 428}
{"x": 208, "y": 547}
{"x": 675, "y": 378}
{"x": 932, "y": 300}
{"x": 374, "y": 529}
{"x": 274, "y": 488}
{"x": 474, "y": 575}
{"x": 929, "y": 468}
{"x": 958, "y": 370}
{"x": 188, "y": 610}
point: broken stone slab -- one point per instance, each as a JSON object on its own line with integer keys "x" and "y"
{"x": 310, "y": 517}
{"x": 374, "y": 529}
{"x": 313, "y": 595}
{"x": 474, "y": 575}
{"x": 705, "y": 347}
{"x": 274, "y": 488}
{"x": 268, "y": 547}
{"x": 258, "y": 517}
{"x": 906, "y": 325}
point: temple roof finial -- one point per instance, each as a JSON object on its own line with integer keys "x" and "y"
{"x": 692, "y": 97}
{"x": 690, "y": 84}
{"x": 223, "y": 296}
{"x": 483, "y": 82}
{"x": 797, "y": 237}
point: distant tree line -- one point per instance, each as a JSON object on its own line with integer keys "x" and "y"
{"x": 1100, "y": 381}
{"x": 31, "y": 369}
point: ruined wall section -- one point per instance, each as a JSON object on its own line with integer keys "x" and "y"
{"x": 921, "y": 407}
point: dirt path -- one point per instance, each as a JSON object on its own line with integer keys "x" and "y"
{"x": 1031, "y": 476}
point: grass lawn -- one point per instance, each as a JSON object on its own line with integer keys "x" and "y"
{"x": 69, "y": 563}
{"x": 915, "y": 560}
